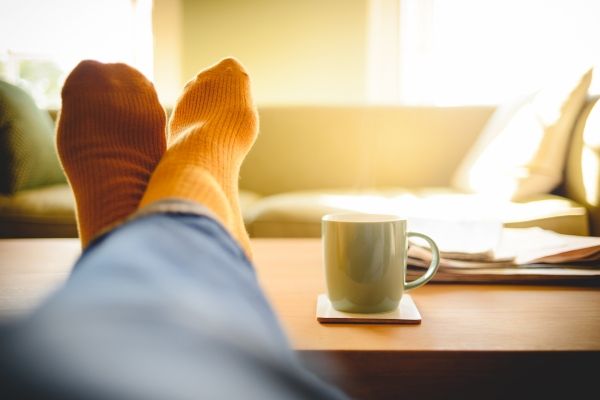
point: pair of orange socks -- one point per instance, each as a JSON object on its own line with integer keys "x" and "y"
{"x": 119, "y": 157}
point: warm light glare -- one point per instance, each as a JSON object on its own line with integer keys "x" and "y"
{"x": 590, "y": 157}
{"x": 70, "y": 30}
{"x": 444, "y": 206}
{"x": 65, "y": 32}
{"x": 456, "y": 52}
{"x": 590, "y": 169}
{"x": 446, "y": 216}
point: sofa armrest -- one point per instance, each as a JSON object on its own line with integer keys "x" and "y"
{"x": 582, "y": 175}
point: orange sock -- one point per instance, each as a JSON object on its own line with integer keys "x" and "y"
{"x": 213, "y": 126}
{"x": 111, "y": 135}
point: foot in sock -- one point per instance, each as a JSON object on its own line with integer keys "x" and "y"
{"x": 110, "y": 137}
{"x": 213, "y": 126}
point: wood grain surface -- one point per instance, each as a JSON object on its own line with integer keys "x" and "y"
{"x": 475, "y": 341}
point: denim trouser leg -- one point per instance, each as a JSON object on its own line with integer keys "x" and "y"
{"x": 164, "y": 307}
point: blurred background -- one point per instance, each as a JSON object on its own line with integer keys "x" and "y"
{"x": 422, "y": 52}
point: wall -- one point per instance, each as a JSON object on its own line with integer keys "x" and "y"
{"x": 309, "y": 51}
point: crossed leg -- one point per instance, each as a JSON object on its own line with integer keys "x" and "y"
{"x": 163, "y": 302}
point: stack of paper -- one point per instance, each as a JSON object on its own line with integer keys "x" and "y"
{"x": 511, "y": 255}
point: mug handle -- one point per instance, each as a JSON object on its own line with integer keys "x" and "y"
{"x": 433, "y": 267}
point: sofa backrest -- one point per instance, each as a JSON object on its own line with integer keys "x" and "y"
{"x": 316, "y": 147}
{"x": 582, "y": 173}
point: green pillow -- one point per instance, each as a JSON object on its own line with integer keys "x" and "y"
{"x": 28, "y": 156}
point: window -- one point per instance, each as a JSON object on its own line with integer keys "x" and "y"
{"x": 452, "y": 52}
{"x": 41, "y": 41}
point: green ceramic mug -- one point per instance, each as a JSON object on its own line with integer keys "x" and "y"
{"x": 365, "y": 261}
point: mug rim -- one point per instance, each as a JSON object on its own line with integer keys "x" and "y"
{"x": 356, "y": 217}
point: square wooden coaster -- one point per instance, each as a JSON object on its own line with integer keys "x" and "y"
{"x": 406, "y": 313}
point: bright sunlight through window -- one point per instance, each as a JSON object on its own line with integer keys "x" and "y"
{"x": 454, "y": 52}
{"x": 41, "y": 41}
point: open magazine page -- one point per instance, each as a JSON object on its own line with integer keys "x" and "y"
{"x": 458, "y": 240}
{"x": 536, "y": 245}
{"x": 519, "y": 254}
{"x": 520, "y": 246}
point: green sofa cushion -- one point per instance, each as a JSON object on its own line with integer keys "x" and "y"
{"x": 43, "y": 212}
{"x": 50, "y": 212}
{"x": 28, "y": 157}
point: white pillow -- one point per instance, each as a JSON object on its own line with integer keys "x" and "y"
{"x": 521, "y": 151}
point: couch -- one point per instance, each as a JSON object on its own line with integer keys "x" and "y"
{"x": 313, "y": 160}
{"x": 309, "y": 161}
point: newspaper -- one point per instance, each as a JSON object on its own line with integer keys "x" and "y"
{"x": 515, "y": 253}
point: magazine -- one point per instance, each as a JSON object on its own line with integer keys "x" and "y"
{"x": 511, "y": 254}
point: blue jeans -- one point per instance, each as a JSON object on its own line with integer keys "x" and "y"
{"x": 164, "y": 307}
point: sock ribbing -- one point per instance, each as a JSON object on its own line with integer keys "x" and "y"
{"x": 213, "y": 126}
{"x": 110, "y": 137}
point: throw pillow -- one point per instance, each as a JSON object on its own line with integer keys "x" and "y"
{"x": 522, "y": 149}
{"x": 28, "y": 157}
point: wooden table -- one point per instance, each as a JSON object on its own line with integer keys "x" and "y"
{"x": 480, "y": 341}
